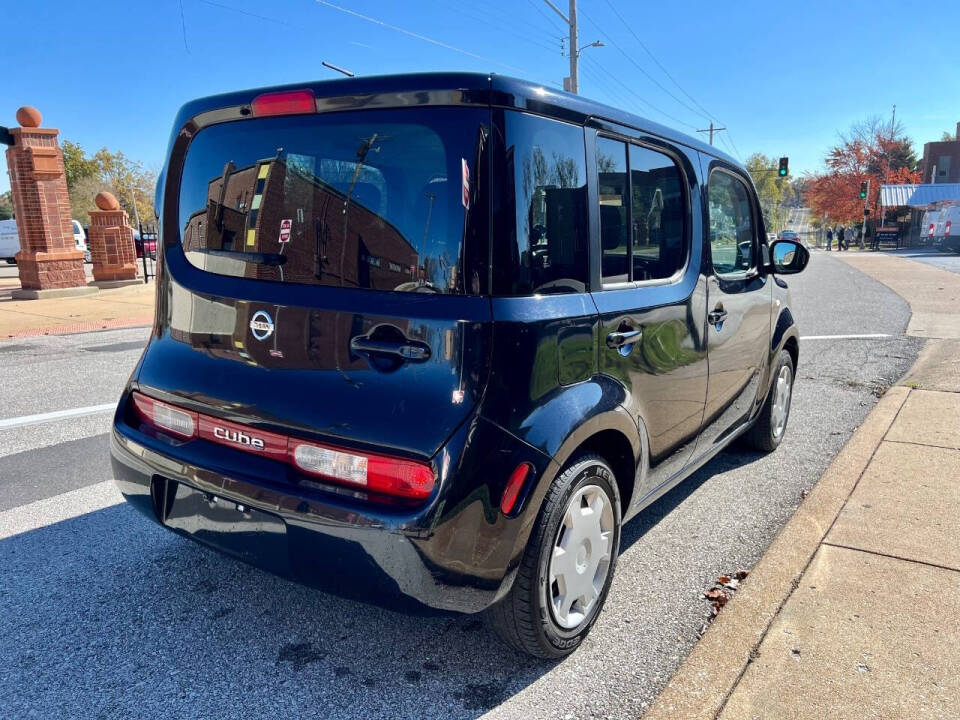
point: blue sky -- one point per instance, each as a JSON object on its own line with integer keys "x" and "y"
{"x": 783, "y": 77}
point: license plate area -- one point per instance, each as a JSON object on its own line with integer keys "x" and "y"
{"x": 252, "y": 535}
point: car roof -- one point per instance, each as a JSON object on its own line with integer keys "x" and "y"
{"x": 470, "y": 88}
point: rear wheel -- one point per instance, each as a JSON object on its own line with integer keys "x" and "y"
{"x": 771, "y": 424}
{"x": 568, "y": 565}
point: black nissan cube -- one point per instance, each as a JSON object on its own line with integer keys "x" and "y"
{"x": 430, "y": 340}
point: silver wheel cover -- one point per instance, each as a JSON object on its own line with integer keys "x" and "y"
{"x": 781, "y": 401}
{"x": 580, "y": 560}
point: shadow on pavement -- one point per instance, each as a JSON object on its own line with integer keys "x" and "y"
{"x": 108, "y": 614}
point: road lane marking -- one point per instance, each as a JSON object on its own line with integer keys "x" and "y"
{"x": 845, "y": 337}
{"x": 7, "y": 423}
{"x": 58, "y": 508}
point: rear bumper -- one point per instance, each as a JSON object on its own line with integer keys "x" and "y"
{"x": 455, "y": 553}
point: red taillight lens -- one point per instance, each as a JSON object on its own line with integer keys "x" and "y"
{"x": 374, "y": 473}
{"x": 946, "y": 228}
{"x": 515, "y": 483}
{"x": 293, "y": 102}
{"x": 174, "y": 420}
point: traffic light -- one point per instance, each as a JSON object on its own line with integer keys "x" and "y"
{"x": 863, "y": 190}
{"x": 783, "y": 167}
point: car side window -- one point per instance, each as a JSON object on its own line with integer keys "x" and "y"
{"x": 642, "y": 213}
{"x": 657, "y": 217}
{"x": 731, "y": 224}
{"x": 547, "y": 178}
{"x": 613, "y": 193}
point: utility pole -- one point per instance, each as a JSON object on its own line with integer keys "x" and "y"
{"x": 863, "y": 228}
{"x": 574, "y": 49}
{"x": 712, "y": 130}
{"x": 572, "y": 83}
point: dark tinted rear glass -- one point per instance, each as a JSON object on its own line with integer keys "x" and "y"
{"x": 372, "y": 199}
{"x": 546, "y": 235}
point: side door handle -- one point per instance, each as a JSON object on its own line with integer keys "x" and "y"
{"x": 623, "y": 340}
{"x": 717, "y": 316}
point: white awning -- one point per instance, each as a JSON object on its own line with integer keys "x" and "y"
{"x": 918, "y": 195}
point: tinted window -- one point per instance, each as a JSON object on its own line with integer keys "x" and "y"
{"x": 614, "y": 218}
{"x": 373, "y": 199}
{"x": 545, "y": 177}
{"x": 658, "y": 212}
{"x": 731, "y": 224}
{"x": 641, "y": 221}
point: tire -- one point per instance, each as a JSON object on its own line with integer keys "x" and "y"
{"x": 767, "y": 432}
{"x": 526, "y": 618}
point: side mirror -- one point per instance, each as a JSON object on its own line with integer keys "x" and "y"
{"x": 788, "y": 257}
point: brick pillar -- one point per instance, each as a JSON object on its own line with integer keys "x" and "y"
{"x": 111, "y": 243}
{"x": 48, "y": 258}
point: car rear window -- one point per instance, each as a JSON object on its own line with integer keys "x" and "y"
{"x": 373, "y": 199}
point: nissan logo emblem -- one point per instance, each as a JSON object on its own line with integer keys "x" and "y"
{"x": 261, "y": 325}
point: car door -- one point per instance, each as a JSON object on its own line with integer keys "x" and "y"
{"x": 651, "y": 295}
{"x": 739, "y": 297}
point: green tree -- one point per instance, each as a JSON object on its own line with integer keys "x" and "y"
{"x": 772, "y": 190}
{"x": 6, "y": 205}
{"x": 77, "y": 165}
{"x": 128, "y": 180}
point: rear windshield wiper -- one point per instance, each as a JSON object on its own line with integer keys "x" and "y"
{"x": 271, "y": 259}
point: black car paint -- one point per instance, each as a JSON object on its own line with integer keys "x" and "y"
{"x": 457, "y": 551}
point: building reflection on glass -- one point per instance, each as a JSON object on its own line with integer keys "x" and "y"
{"x": 297, "y": 228}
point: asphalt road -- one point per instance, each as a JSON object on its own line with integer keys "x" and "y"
{"x": 103, "y": 614}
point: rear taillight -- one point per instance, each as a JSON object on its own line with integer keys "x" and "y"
{"x": 374, "y": 473}
{"x": 177, "y": 421}
{"x": 930, "y": 230}
{"x": 291, "y": 102}
{"x": 515, "y": 483}
{"x": 946, "y": 229}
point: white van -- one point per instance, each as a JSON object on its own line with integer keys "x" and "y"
{"x": 926, "y": 226}
{"x": 80, "y": 239}
{"x": 9, "y": 240}
{"x": 949, "y": 228}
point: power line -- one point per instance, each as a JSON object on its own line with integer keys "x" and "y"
{"x": 550, "y": 19}
{"x": 633, "y": 92}
{"x": 490, "y": 22}
{"x": 418, "y": 36}
{"x": 241, "y": 11}
{"x": 729, "y": 142}
{"x": 658, "y": 63}
{"x": 641, "y": 68}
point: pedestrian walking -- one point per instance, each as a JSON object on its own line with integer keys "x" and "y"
{"x": 875, "y": 241}
{"x": 829, "y": 238}
{"x": 841, "y": 234}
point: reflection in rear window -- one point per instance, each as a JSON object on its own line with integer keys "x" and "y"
{"x": 375, "y": 199}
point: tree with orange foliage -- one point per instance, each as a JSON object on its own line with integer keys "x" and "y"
{"x": 872, "y": 151}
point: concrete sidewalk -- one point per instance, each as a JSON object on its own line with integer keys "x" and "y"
{"x": 130, "y": 306}
{"x": 854, "y": 610}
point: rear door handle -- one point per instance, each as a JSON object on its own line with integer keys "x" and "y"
{"x": 717, "y": 316}
{"x": 616, "y": 340}
{"x": 413, "y": 351}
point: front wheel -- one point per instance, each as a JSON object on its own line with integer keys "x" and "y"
{"x": 771, "y": 424}
{"x": 567, "y": 568}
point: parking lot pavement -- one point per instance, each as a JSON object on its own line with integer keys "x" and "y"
{"x": 102, "y": 614}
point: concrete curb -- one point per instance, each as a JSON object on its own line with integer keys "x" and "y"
{"x": 701, "y": 686}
